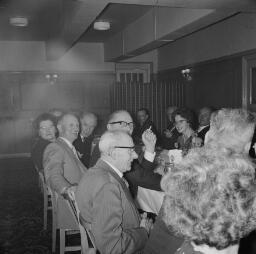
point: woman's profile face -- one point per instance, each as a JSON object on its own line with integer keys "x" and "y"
{"x": 181, "y": 124}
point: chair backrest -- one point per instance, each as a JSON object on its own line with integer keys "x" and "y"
{"x": 84, "y": 231}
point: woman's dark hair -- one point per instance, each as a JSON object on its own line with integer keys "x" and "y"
{"x": 43, "y": 117}
{"x": 187, "y": 114}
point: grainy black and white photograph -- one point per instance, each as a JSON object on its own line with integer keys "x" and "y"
{"x": 128, "y": 127}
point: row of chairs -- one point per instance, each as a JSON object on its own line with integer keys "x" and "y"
{"x": 87, "y": 245}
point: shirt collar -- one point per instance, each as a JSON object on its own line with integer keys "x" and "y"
{"x": 202, "y": 127}
{"x": 68, "y": 142}
{"x": 82, "y": 137}
{"x": 114, "y": 168}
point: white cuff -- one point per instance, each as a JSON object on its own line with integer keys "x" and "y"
{"x": 149, "y": 156}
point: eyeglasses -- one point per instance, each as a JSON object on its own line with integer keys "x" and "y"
{"x": 46, "y": 127}
{"x": 126, "y": 147}
{"x": 130, "y": 124}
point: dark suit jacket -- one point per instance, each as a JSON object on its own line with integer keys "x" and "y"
{"x": 138, "y": 131}
{"x": 62, "y": 168}
{"x": 252, "y": 152}
{"x": 201, "y": 134}
{"x": 161, "y": 239}
{"x": 142, "y": 174}
{"x": 84, "y": 148}
{"x": 37, "y": 152}
{"x": 107, "y": 206}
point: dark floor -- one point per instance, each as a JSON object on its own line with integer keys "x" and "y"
{"x": 21, "y": 213}
{"x": 21, "y": 210}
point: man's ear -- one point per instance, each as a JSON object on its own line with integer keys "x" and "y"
{"x": 113, "y": 153}
{"x": 109, "y": 127}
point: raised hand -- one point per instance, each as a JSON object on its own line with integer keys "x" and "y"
{"x": 149, "y": 140}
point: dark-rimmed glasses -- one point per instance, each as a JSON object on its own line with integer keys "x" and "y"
{"x": 130, "y": 124}
{"x": 127, "y": 147}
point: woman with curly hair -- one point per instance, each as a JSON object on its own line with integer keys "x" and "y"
{"x": 210, "y": 197}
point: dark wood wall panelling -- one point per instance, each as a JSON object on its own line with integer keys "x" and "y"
{"x": 155, "y": 96}
{"x": 217, "y": 83}
{"x": 23, "y": 96}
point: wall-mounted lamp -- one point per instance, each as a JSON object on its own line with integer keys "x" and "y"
{"x": 51, "y": 78}
{"x": 186, "y": 73}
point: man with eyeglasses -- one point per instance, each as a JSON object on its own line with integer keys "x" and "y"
{"x": 141, "y": 173}
{"x": 105, "y": 202}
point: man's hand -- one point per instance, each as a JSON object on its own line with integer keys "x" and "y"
{"x": 65, "y": 192}
{"x": 146, "y": 223}
{"x": 149, "y": 140}
{"x": 168, "y": 133}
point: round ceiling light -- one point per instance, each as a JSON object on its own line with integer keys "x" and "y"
{"x": 101, "y": 25}
{"x": 19, "y": 21}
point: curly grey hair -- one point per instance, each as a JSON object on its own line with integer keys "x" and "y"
{"x": 211, "y": 198}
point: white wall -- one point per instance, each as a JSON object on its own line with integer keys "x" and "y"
{"x": 232, "y": 36}
{"x": 151, "y": 56}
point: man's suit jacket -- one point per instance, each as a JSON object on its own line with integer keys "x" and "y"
{"x": 62, "y": 169}
{"x": 201, "y": 134}
{"x": 138, "y": 131}
{"x": 142, "y": 174}
{"x": 106, "y": 205}
{"x": 84, "y": 148}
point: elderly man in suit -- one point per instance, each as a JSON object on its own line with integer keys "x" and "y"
{"x": 105, "y": 202}
{"x": 141, "y": 173}
{"x": 62, "y": 167}
{"x": 83, "y": 143}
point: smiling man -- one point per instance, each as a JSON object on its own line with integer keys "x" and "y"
{"x": 105, "y": 202}
{"x": 62, "y": 167}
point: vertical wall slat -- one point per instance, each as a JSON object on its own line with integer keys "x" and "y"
{"x": 156, "y": 96}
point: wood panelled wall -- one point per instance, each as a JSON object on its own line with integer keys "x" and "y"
{"x": 155, "y": 96}
{"x": 25, "y": 95}
{"x": 217, "y": 83}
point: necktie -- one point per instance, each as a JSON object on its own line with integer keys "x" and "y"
{"x": 74, "y": 151}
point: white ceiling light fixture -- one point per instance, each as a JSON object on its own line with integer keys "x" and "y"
{"x": 18, "y": 21}
{"x": 101, "y": 25}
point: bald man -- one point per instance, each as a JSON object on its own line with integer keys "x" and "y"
{"x": 105, "y": 202}
{"x": 83, "y": 143}
{"x": 62, "y": 167}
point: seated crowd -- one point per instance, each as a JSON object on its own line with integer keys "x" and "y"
{"x": 209, "y": 196}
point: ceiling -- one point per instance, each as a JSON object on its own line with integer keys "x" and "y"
{"x": 66, "y": 22}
